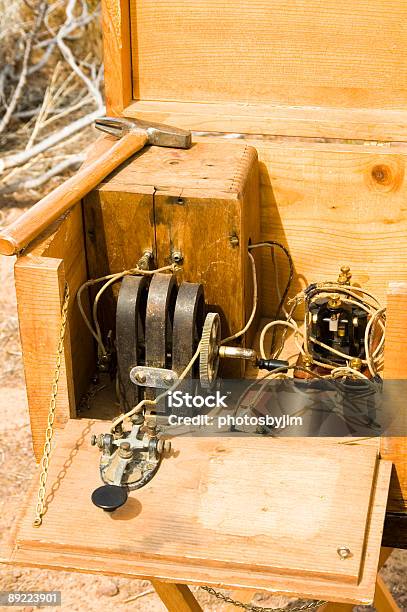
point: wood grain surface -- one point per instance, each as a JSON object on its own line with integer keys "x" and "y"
{"x": 394, "y": 447}
{"x": 58, "y": 256}
{"x": 342, "y": 54}
{"x": 192, "y": 201}
{"x": 298, "y": 70}
{"x": 116, "y": 55}
{"x": 206, "y": 537}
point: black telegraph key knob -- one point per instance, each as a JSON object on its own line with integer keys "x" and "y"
{"x": 109, "y": 497}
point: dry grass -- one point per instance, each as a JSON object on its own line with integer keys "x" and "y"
{"x": 51, "y": 77}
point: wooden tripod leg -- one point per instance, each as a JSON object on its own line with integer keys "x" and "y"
{"x": 245, "y": 596}
{"x": 384, "y": 555}
{"x": 383, "y": 599}
{"x": 176, "y": 597}
{"x": 336, "y": 607}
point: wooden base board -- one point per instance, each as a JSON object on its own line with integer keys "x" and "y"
{"x": 233, "y": 512}
{"x": 276, "y": 120}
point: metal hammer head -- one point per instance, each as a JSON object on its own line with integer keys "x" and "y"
{"x": 158, "y": 134}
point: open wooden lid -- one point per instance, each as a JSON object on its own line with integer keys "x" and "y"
{"x": 305, "y": 68}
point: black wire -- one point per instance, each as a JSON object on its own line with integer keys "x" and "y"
{"x": 335, "y": 385}
{"x": 272, "y": 244}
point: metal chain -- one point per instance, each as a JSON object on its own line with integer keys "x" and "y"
{"x": 40, "y": 507}
{"x": 250, "y": 608}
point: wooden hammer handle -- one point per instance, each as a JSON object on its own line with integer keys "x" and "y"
{"x": 46, "y": 211}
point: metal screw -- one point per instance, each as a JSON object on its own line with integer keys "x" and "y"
{"x": 125, "y": 450}
{"x": 168, "y": 379}
{"x": 97, "y": 440}
{"x": 177, "y": 257}
{"x": 140, "y": 377}
{"x": 234, "y": 240}
{"x": 335, "y": 301}
{"x": 144, "y": 261}
{"x": 307, "y": 361}
{"x": 345, "y": 275}
{"x": 344, "y": 552}
{"x": 163, "y": 446}
{"x": 356, "y": 363}
{"x": 151, "y": 428}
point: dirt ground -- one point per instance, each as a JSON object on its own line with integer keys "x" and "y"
{"x": 81, "y": 591}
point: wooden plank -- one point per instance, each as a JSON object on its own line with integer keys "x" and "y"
{"x": 118, "y": 229}
{"x": 176, "y": 597}
{"x": 55, "y": 257}
{"x": 213, "y": 542}
{"x": 245, "y": 597}
{"x": 185, "y": 571}
{"x": 117, "y": 55}
{"x": 39, "y": 287}
{"x": 277, "y": 120}
{"x": 214, "y": 168}
{"x": 184, "y": 215}
{"x": 385, "y": 553}
{"x": 394, "y": 446}
{"x": 383, "y": 599}
{"x": 303, "y": 54}
{"x": 396, "y": 331}
{"x": 331, "y": 206}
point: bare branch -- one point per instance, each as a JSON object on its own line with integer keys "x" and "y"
{"x": 74, "y": 161}
{"x": 67, "y": 83}
{"x": 18, "y": 159}
{"x": 23, "y": 75}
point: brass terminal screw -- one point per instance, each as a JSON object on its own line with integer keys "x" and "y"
{"x": 335, "y": 301}
{"x": 356, "y": 364}
{"x": 344, "y": 276}
{"x": 307, "y": 361}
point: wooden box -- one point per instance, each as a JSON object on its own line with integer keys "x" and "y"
{"x": 164, "y": 200}
{"x": 324, "y": 104}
